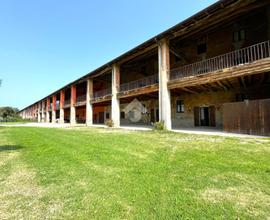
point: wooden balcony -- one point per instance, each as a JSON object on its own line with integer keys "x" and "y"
{"x": 81, "y": 100}
{"x": 66, "y": 103}
{"x": 246, "y": 61}
{"x": 145, "y": 85}
{"x": 57, "y": 105}
{"x": 102, "y": 95}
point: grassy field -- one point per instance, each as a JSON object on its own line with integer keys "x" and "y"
{"x": 85, "y": 173}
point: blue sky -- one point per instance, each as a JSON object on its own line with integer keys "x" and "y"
{"x": 45, "y": 44}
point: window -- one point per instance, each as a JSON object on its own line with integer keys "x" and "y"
{"x": 107, "y": 115}
{"x": 122, "y": 114}
{"x": 201, "y": 48}
{"x": 239, "y": 35}
{"x": 180, "y": 106}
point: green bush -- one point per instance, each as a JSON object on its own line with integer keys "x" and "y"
{"x": 109, "y": 123}
{"x": 159, "y": 125}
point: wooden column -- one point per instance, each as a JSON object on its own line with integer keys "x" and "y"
{"x": 72, "y": 105}
{"x": 89, "y": 107}
{"x": 115, "y": 101}
{"x": 164, "y": 92}
{"x": 62, "y": 100}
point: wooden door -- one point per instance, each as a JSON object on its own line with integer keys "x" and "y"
{"x": 157, "y": 115}
{"x": 101, "y": 117}
{"x": 196, "y": 116}
{"x": 152, "y": 115}
{"x": 212, "y": 114}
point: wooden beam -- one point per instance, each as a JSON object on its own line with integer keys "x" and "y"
{"x": 222, "y": 85}
{"x": 138, "y": 53}
{"x": 229, "y": 83}
{"x": 189, "y": 90}
{"x": 218, "y": 17}
{"x": 240, "y": 82}
{"x": 243, "y": 81}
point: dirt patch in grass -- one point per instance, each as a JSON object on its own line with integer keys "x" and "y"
{"x": 20, "y": 195}
{"x": 251, "y": 200}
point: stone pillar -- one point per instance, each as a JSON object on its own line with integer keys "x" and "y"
{"x": 164, "y": 92}
{"x": 62, "y": 100}
{"x": 89, "y": 106}
{"x": 72, "y": 105}
{"x": 54, "y": 109}
{"x": 48, "y": 112}
{"x": 115, "y": 110}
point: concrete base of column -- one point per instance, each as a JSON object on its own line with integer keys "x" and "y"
{"x": 43, "y": 119}
{"x": 89, "y": 115}
{"x": 47, "y": 117}
{"x": 72, "y": 115}
{"x": 116, "y": 112}
{"x": 53, "y": 117}
{"x": 62, "y": 121}
{"x": 39, "y": 119}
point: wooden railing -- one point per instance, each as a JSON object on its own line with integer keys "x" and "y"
{"x": 67, "y": 103}
{"x": 81, "y": 99}
{"x": 235, "y": 58}
{"x": 58, "y": 105}
{"x": 146, "y": 81}
{"x": 102, "y": 94}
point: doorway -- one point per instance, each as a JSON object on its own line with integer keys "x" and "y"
{"x": 205, "y": 116}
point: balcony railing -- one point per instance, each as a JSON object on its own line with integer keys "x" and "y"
{"x": 81, "y": 99}
{"x": 66, "y": 103}
{"x": 235, "y": 58}
{"x": 146, "y": 81}
{"x": 102, "y": 94}
{"x": 57, "y": 105}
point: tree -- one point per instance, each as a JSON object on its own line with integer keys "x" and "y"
{"x": 8, "y": 112}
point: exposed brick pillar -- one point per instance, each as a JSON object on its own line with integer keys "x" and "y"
{"x": 89, "y": 107}
{"x": 164, "y": 92}
{"x": 62, "y": 100}
{"x": 54, "y": 109}
{"x": 115, "y": 89}
{"x": 39, "y": 112}
{"x": 48, "y": 112}
{"x": 72, "y": 105}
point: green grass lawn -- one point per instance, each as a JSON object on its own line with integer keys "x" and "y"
{"x": 83, "y": 173}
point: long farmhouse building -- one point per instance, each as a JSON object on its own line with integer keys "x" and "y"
{"x": 209, "y": 71}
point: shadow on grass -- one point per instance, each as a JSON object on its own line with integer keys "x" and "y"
{"x": 9, "y": 148}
